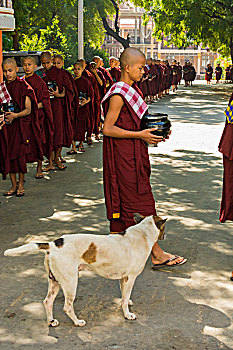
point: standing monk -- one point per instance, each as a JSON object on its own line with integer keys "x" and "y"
{"x": 114, "y": 70}
{"x": 18, "y": 125}
{"x": 86, "y": 98}
{"x": 61, "y": 96}
{"x": 218, "y": 72}
{"x": 44, "y": 110}
{"x": 125, "y": 154}
{"x": 58, "y": 62}
{"x": 208, "y": 73}
{"x": 96, "y": 108}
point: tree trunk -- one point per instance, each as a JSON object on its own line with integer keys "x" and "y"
{"x": 15, "y": 37}
{"x": 124, "y": 42}
{"x": 231, "y": 49}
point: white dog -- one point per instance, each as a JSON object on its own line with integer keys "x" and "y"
{"x": 115, "y": 256}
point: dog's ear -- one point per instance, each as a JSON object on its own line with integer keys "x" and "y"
{"x": 160, "y": 224}
{"x": 138, "y": 217}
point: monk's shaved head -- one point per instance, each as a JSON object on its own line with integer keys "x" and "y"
{"x": 46, "y": 55}
{"x": 59, "y": 57}
{"x": 9, "y": 61}
{"x": 130, "y": 56}
{"x": 31, "y": 58}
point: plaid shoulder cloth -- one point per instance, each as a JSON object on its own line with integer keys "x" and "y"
{"x": 228, "y": 113}
{"x": 5, "y": 97}
{"x": 130, "y": 94}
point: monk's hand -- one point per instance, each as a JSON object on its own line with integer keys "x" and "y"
{"x": 55, "y": 93}
{"x": 167, "y": 137}
{"x": 148, "y": 137}
{"x": 10, "y": 116}
{"x": 83, "y": 102}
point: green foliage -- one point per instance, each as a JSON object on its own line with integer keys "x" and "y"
{"x": 193, "y": 22}
{"x": 90, "y": 52}
{"x": 52, "y": 24}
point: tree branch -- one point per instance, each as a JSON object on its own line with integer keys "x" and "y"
{"x": 115, "y": 35}
{"x": 117, "y": 16}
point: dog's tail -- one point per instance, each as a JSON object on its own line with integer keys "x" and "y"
{"x": 30, "y": 247}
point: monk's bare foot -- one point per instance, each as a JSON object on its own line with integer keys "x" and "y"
{"x": 39, "y": 175}
{"x": 158, "y": 256}
{"x": 174, "y": 259}
{"x": 50, "y": 167}
{"x": 11, "y": 192}
{"x": 20, "y": 190}
{"x": 59, "y": 165}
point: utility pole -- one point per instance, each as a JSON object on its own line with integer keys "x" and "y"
{"x": 80, "y": 29}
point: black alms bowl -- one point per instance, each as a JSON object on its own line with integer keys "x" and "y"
{"x": 159, "y": 121}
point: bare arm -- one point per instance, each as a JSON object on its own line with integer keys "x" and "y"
{"x": 99, "y": 80}
{"x": 26, "y": 111}
{"x": 110, "y": 129}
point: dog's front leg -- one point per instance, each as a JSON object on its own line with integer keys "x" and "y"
{"x": 53, "y": 290}
{"x": 126, "y": 289}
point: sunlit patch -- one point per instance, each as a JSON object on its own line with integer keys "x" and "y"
{"x": 35, "y": 309}
{"x": 29, "y": 272}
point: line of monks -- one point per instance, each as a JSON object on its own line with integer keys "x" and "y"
{"x": 50, "y": 108}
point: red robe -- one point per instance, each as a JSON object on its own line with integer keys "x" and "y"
{"x": 97, "y": 100}
{"x": 126, "y": 171}
{"x": 84, "y": 118}
{"x": 226, "y": 148}
{"x": 154, "y": 88}
{"x": 143, "y": 84}
{"x": 116, "y": 74}
{"x": 4, "y": 155}
{"x": 61, "y": 108}
{"x": 107, "y": 76}
{"x": 19, "y": 132}
{"x": 45, "y": 113}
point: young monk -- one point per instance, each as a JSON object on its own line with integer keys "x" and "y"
{"x": 96, "y": 109}
{"x": 44, "y": 110}
{"x": 86, "y": 101}
{"x": 58, "y": 62}
{"x": 18, "y": 126}
{"x": 61, "y": 100}
{"x": 114, "y": 70}
{"x": 125, "y": 154}
{"x": 107, "y": 75}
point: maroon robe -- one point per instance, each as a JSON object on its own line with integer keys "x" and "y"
{"x": 226, "y": 148}
{"x": 143, "y": 84}
{"x": 126, "y": 171}
{"x": 97, "y": 100}
{"x": 84, "y": 118}
{"x": 45, "y": 113}
{"x": 115, "y": 73}
{"x": 107, "y": 76}
{"x": 208, "y": 73}
{"x": 19, "y": 132}
{"x": 4, "y": 155}
{"x": 155, "y": 81}
{"x": 75, "y": 102}
{"x": 61, "y": 108}
{"x": 218, "y": 73}
{"x": 174, "y": 74}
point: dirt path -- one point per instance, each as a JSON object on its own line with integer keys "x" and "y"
{"x": 188, "y": 307}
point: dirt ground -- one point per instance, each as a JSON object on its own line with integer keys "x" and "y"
{"x": 187, "y": 307}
